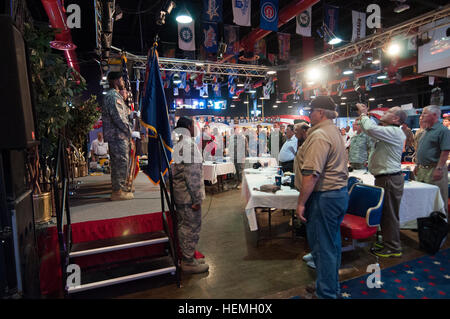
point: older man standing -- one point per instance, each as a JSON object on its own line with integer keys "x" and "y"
{"x": 321, "y": 177}
{"x": 288, "y": 150}
{"x": 385, "y": 165}
{"x": 360, "y": 146}
{"x": 432, "y": 151}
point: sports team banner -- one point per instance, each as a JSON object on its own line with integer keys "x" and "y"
{"x": 284, "y": 46}
{"x": 231, "y": 37}
{"x": 186, "y": 36}
{"x": 269, "y": 15}
{"x": 210, "y": 37}
{"x": 359, "y": 25}
{"x": 212, "y": 10}
{"x": 231, "y": 85}
{"x": 260, "y": 48}
{"x": 203, "y": 91}
{"x": 303, "y": 21}
{"x": 241, "y": 12}
{"x": 331, "y": 17}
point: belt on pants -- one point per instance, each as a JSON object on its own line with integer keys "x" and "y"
{"x": 427, "y": 166}
{"x": 391, "y": 174}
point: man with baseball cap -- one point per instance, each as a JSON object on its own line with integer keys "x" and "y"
{"x": 321, "y": 177}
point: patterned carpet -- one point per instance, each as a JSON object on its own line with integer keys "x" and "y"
{"x": 426, "y": 277}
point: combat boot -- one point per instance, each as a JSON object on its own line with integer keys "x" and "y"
{"x": 121, "y": 195}
{"x": 193, "y": 267}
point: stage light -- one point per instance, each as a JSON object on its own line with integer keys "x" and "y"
{"x": 342, "y": 103}
{"x": 104, "y": 78}
{"x": 245, "y": 102}
{"x": 165, "y": 11}
{"x": 334, "y": 41}
{"x": 393, "y": 49}
{"x": 289, "y": 106}
{"x": 232, "y": 105}
{"x": 104, "y": 92}
{"x": 347, "y": 72}
{"x": 382, "y": 76}
{"x": 184, "y": 16}
{"x": 235, "y": 97}
{"x": 252, "y": 91}
{"x": 313, "y": 74}
{"x": 240, "y": 84}
{"x": 176, "y": 78}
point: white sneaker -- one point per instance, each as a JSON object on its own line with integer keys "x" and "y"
{"x": 311, "y": 264}
{"x": 307, "y": 257}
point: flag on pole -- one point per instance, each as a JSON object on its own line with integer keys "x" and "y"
{"x": 212, "y": 10}
{"x": 269, "y": 15}
{"x": 155, "y": 117}
{"x": 303, "y": 21}
{"x": 241, "y": 12}
{"x": 359, "y": 25}
{"x": 186, "y": 36}
{"x": 126, "y": 79}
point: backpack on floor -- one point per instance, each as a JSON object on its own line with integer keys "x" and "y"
{"x": 433, "y": 232}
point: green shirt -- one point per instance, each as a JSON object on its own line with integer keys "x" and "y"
{"x": 386, "y": 156}
{"x": 433, "y": 141}
{"x": 360, "y": 145}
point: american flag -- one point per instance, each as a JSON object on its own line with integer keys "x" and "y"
{"x": 126, "y": 79}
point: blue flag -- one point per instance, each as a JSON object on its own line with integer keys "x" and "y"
{"x": 212, "y": 10}
{"x": 210, "y": 37}
{"x": 155, "y": 117}
{"x": 269, "y": 15}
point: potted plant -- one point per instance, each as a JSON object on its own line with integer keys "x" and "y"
{"x": 54, "y": 86}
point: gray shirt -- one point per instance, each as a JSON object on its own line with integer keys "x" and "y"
{"x": 433, "y": 141}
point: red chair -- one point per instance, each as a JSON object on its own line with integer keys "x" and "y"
{"x": 363, "y": 214}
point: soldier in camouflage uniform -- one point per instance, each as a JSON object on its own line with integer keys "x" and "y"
{"x": 189, "y": 190}
{"x": 117, "y": 132}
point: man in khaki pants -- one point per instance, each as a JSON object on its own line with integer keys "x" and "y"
{"x": 432, "y": 152}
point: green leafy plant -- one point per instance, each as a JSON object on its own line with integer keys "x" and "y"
{"x": 82, "y": 119}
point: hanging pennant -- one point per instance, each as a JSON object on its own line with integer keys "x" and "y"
{"x": 284, "y": 46}
{"x": 359, "y": 25}
{"x": 269, "y": 15}
{"x": 186, "y": 36}
{"x": 231, "y": 37}
{"x": 241, "y": 12}
{"x": 210, "y": 37}
{"x": 303, "y": 23}
{"x": 212, "y": 10}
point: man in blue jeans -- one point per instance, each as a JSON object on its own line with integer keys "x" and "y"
{"x": 321, "y": 175}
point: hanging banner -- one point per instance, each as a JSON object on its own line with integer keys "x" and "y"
{"x": 182, "y": 84}
{"x": 231, "y": 37}
{"x": 359, "y": 25}
{"x": 260, "y": 48}
{"x": 269, "y": 15}
{"x": 210, "y": 37}
{"x": 186, "y": 36}
{"x": 204, "y": 90}
{"x": 241, "y": 12}
{"x": 284, "y": 46}
{"x": 412, "y": 43}
{"x": 331, "y": 17}
{"x": 216, "y": 87}
{"x": 212, "y": 10}
{"x": 303, "y": 21}
{"x": 231, "y": 85}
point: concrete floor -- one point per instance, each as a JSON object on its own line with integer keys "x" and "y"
{"x": 238, "y": 268}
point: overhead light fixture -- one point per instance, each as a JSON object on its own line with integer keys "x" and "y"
{"x": 275, "y": 106}
{"x": 313, "y": 73}
{"x": 240, "y": 84}
{"x": 313, "y": 96}
{"x": 176, "y": 78}
{"x": 271, "y": 72}
{"x": 342, "y": 103}
{"x": 235, "y": 97}
{"x": 343, "y": 97}
{"x": 104, "y": 92}
{"x": 289, "y": 106}
{"x": 347, "y": 72}
{"x": 165, "y": 11}
{"x": 199, "y": 64}
{"x": 393, "y": 49}
{"x": 104, "y": 78}
{"x": 259, "y": 105}
{"x": 232, "y": 105}
{"x": 184, "y": 16}
{"x": 262, "y": 98}
{"x": 401, "y": 7}
{"x": 382, "y": 76}
{"x": 389, "y": 100}
{"x": 376, "y": 61}
{"x": 372, "y": 99}
{"x": 245, "y": 102}
{"x": 334, "y": 41}
{"x": 252, "y": 91}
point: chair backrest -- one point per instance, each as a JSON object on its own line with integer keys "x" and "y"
{"x": 352, "y": 180}
{"x": 366, "y": 201}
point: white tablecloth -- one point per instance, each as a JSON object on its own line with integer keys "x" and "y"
{"x": 211, "y": 170}
{"x": 419, "y": 199}
{"x": 286, "y": 198}
{"x": 271, "y": 161}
